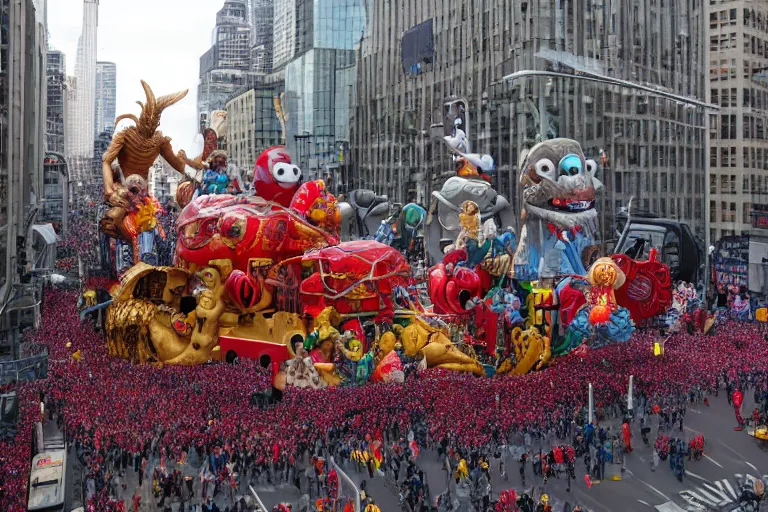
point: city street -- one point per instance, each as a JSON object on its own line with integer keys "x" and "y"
{"x": 710, "y": 484}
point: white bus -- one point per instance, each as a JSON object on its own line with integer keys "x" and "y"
{"x": 47, "y": 486}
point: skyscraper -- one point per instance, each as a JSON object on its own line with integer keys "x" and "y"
{"x": 319, "y": 77}
{"x": 56, "y": 116}
{"x": 226, "y": 66}
{"x": 262, "y": 26}
{"x": 106, "y": 97}
{"x": 82, "y": 109}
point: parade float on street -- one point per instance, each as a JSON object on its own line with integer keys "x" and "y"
{"x": 324, "y": 292}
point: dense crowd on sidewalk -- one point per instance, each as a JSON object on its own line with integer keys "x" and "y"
{"x": 113, "y": 409}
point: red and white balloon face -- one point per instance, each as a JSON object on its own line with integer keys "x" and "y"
{"x": 275, "y": 178}
{"x": 286, "y": 174}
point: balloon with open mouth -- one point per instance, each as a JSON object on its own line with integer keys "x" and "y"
{"x": 559, "y": 216}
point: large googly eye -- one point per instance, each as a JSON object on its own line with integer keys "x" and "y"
{"x": 591, "y": 167}
{"x": 545, "y": 168}
{"x": 570, "y": 165}
{"x": 285, "y": 172}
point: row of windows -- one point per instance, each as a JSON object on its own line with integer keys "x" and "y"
{"x": 751, "y": 97}
{"x": 627, "y": 182}
{"x": 728, "y": 212}
{"x": 725, "y": 17}
{"x": 755, "y": 46}
{"x": 750, "y": 184}
{"x": 752, "y": 158}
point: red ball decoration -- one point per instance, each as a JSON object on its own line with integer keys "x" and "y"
{"x": 599, "y": 315}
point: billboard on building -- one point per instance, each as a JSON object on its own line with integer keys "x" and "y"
{"x": 731, "y": 262}
{"x": 418, "y": 47}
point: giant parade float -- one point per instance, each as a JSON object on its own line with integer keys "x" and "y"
{"x": 327, "y": 293}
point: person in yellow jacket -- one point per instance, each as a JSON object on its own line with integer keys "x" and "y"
{"x": 371, "y": 507}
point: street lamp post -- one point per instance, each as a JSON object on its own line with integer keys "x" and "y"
{"x": 706, "y": 107}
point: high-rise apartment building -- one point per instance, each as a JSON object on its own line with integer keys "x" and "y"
{"x": 106, "y": 97}
{"x": 55, "y": 126}
{"x": 226, "y": 66}
{"x": 82, "y": 109}
{"x": 262, "y": 27}
{"x": 417, "y": 54}
{"x": 738, "y": 159}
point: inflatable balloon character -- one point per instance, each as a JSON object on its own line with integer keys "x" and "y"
{"x": 355, "y": 278}
{"x": 433, "y": 344}
{"x": 471, "y": 183}
{"x": 250, "y": 231}
{"x": 531, "y": 351}
{"x": 559, "y": 216}
{"x": 137, "y": 147}
{"x": 601, "y": 319}
{"x": 454, "y": 288}
{"x": 647, "y": 291}
{"x": 275, "y": 178}
{"x": 133, "y": 223}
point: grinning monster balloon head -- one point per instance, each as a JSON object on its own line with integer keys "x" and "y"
{"x": 275, "y": 178}
{"x": 559, "y": 184}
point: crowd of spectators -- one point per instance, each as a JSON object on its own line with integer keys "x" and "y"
{"x": 113, "y": 408}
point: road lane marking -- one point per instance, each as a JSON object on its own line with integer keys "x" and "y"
{"x": 713, "y": 461}
{"x": 694, "y": 475}
{"x": 751, "y": 465}
{"x": 645, "y": 503}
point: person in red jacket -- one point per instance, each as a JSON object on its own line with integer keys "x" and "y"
{"x": 626, "y": 433}
{"x": 738, "y": 398}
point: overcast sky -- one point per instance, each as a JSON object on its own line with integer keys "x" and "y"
{"x": 159, "y": 41}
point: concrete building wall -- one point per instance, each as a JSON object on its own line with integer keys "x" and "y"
{"x": 23, "y": 62}
{"x": 655, "y": 147}
{"x": 738, "y": 48}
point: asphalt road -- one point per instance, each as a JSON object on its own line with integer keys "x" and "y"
{"x": 711, "y": 483}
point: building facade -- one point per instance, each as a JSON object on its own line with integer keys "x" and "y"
{"x": 23, "y": 99}
{"x": 226, "y": 67}
{"x": 738, "y": 181}
{"x": 82, "y": 109}
{"x": 252, "y": 126}
{"x": 56, "y": 113}
{"x": 106, "y": 97}
{"x": 262, "y": 27}
{"x": 319, "y": 79}
{"x": 654, "y": 147}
